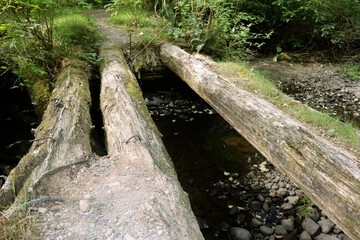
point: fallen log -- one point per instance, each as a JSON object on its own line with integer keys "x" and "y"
{"x": 62, "y": 138}
{"x": 134, "y": 140}
{"x": 329, "y": 175}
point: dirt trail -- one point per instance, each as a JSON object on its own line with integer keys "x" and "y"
{"x": 108, "y": 199}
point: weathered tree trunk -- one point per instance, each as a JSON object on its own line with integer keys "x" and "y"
{"x": 330, "y": 176}
{"x": 61, "y": 139}
{"x": 133, "y": 138}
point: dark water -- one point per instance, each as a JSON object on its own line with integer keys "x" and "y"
{"x": 202, "y": 151}
{"x": 17, "y": 118}
{"x": 206, "y": 152}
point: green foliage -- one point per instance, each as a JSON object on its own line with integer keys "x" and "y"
{"x": 305, "y": 207}
{"x": 36, "y": 38}
{"x": 351, "y": 71}
{"x": 123, "y": 16}
{"x": 219, "y": 27}
{"x": 132, "y": 8}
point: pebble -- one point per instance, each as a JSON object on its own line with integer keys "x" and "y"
{"x": 84, "y": 205}
{"x": 55, "y": 209}
{"x": 266, "y": 230}
{"x": 324, "y": 236}
{"x": 255, "y": 223}
{"x": 293, "y": 199}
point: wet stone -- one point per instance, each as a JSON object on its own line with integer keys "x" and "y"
{"x": 266, "y": 230}
{"x": 256, "y": 205}
{"x": 280, "y": 230}
{"x": 237, "y": 233}
{"x": 255, "y": 223}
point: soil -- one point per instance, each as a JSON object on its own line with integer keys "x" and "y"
{"x": 317, "y": 84}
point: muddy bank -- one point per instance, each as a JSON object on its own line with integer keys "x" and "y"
{"x": 316, "y": 84}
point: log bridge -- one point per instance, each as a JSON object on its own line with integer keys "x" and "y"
{"x": 329, "y": 175}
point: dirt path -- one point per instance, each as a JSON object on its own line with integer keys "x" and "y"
{"x": 109, "y": 199}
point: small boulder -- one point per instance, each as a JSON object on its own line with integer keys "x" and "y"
{"x": 287, "y": 206}
{"x": 288, "y": 224}
{"x": 326, "y": 225}
{"x": 305, "y": 236}
{"x": 255, "y": 223}
{"x": 293, "y": 199}
{"x": 237, "y": 233}
{"x": 310, "y": 226}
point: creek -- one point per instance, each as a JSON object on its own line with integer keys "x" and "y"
{"x": 207, "y": 152}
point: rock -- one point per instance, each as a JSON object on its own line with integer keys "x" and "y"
{"x": 255, "y": 223}
{"x": 42, "y": 210}
{"x": 272, "y": 237}
{"x": 84, "y": 205}
{"x": 266, "y": 207}
{"x": 315, "y": 215}
{"x": 305, "y": 236}
{"x": 266, "y": 230}
{"x": 326, "y": 225}
{"x": 277, "y": 178}
{"x": 337, "y": 229}
{"x": 268, "y": 185}
{"x": 258, "y": 236}
{"x": 287, "y": 206}
{"x": 293, "y": 199}
{"x": 237, "y": 233}
{"x": 310, "y": 226}
{"x": 281, "y": 191}
{"x": 275, "y": 187}
{"x": 282, "y": 184}
{"x": 272, "y": 193}
{"x": 268, "y": 200}
{"x": 54, "y": 209}
{"x": 324, "y": 236}
{"x": 256, "y": 205}
{"x": 261, "y": 198}
{"x": 280, "y": 230}
{"x": 288, "y": 224}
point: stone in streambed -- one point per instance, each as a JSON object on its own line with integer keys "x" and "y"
{"x": 280, "y": 230}
{"x": 255, "y": 223}
{"x": 288, "y": 224}
{"x": 287, "y": 206}
{"x": 310, "y": 226}
{"x": 305, "y": 236}
{"x": 326, "y": 225}
{"x": 256, "y": 205}
{"x": 266, "y": 230}
{"x": 293, "y": 199}
{"x": 237, "y": 233}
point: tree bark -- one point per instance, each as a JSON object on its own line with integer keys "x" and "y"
{"x": 329, "y": 175}
{"x": 62, "y": 138}
{"x": 133, "y": 138}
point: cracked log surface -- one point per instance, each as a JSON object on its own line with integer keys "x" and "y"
{"x": 330, "y": 176}
{"x": 134, "y": 140}
{"x": 60, "y": 139}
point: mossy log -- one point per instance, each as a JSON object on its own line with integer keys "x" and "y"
{"x": 329, "y": 175}
{"x": 62, "y": 137}
{"x": 134, "y": 140}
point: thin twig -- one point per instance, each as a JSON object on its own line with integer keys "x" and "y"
{"x": 154, "y": 217}
{"x": 127, "y": 141}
